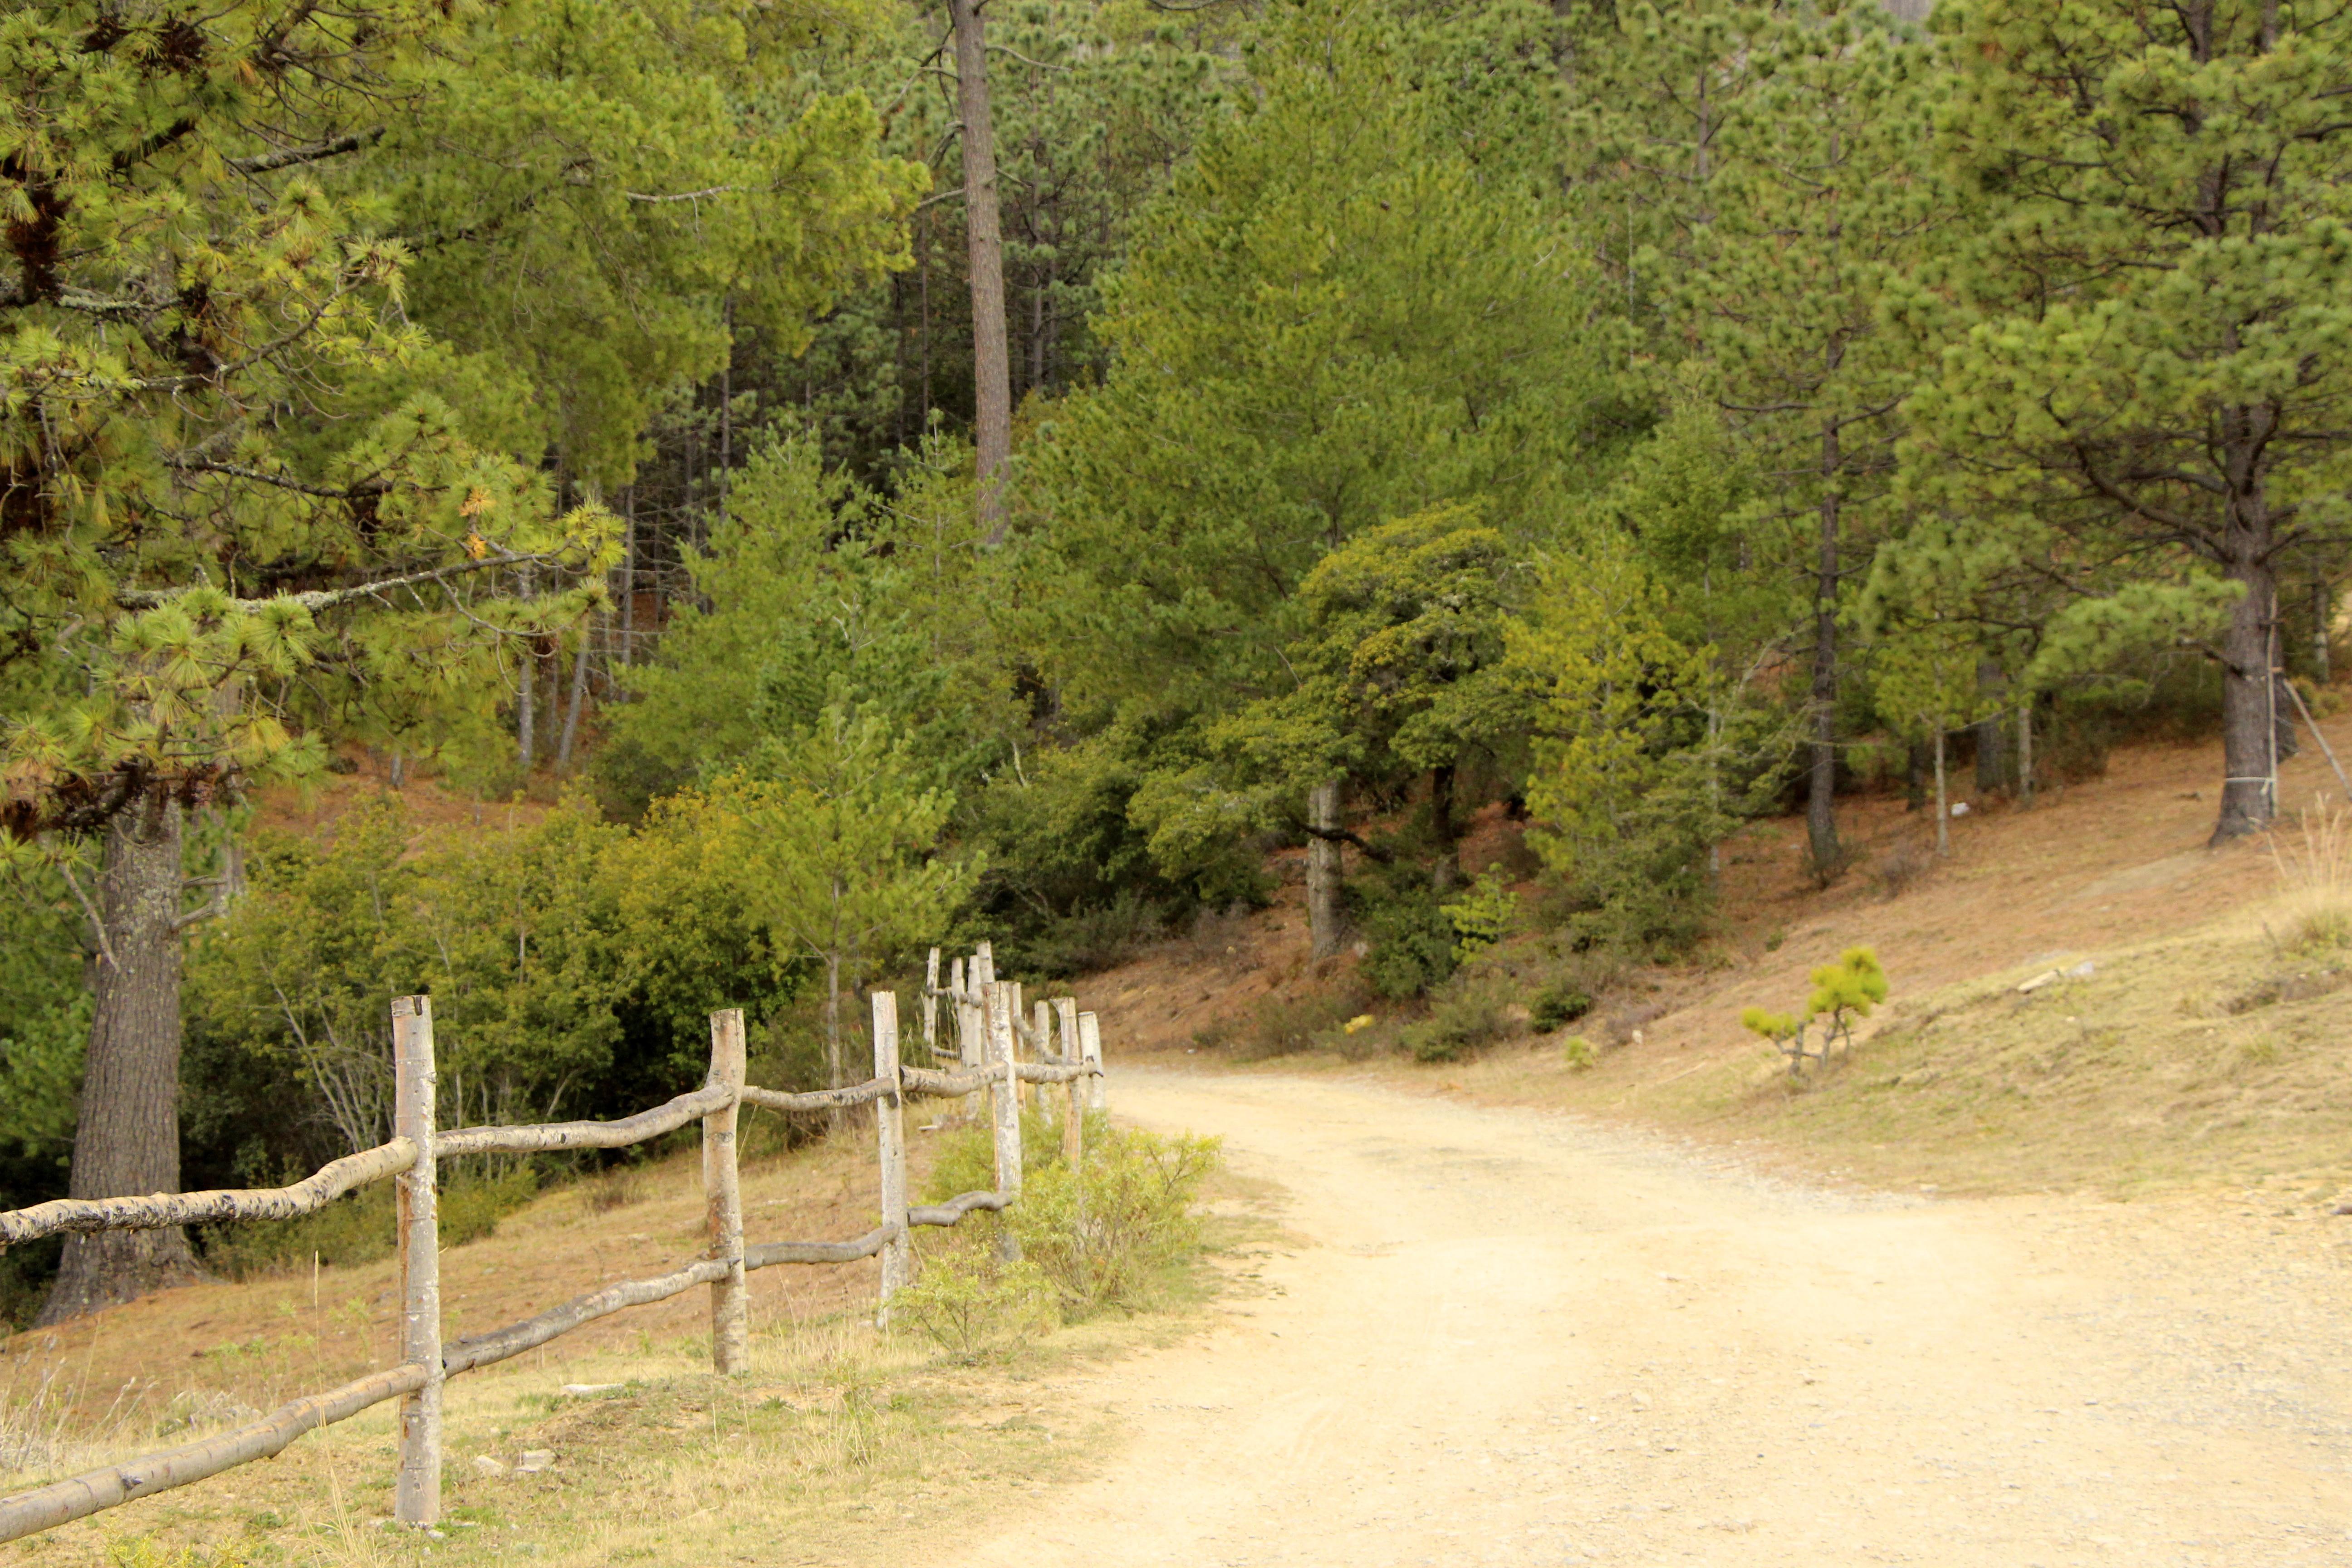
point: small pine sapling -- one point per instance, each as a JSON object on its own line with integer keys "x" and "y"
{"x": 1844, "y": 993}
{"x": 1785, "y": 1030}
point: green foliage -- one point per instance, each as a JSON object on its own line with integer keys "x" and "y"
{"x": 1111, "y": 1234}
{"x": 1107, "y": 1236}
{"x": 1579, "y": 1054}
{"x": 1463, "y": 1016}
{"x": 1481, "y": 917}
{"x": 1558, "y": 1005}
{"x": 1408, "y": 943}
{"x": 44, "y": 1011}
{"x": 1329, "y": 318}
{"x": 1638, "y": 765}
{"x": 1848, "y": 989}
{"x": 572, "y": 967}
{"x": 1843, "y": 994}
{"x": 973, "y": 1303}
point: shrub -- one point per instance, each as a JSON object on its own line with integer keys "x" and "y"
{"x": 1110, "y": 1234}
{"x": 972, "y": 1303}
{"x": 1579, "y": 1054}
{"x": 1409, "y": 944}
{"x": 1556, "y": 1004}
{"x": 1280, "y": 1026}
{"x": 1467, "y": 1017}
{"x": 1481, "y": 917}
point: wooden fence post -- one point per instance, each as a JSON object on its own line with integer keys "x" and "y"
{"x": 416, "y": 1494}
{"x": 1004, "y": 1097}
{"x": 730, "y": 1315}
{"x": 979, "y": 973}
{"x": 890, "y": 1138}
{"x": 1045, "y": 1047}
{"x": 1074, "y": 1107}
{"x": 931, "y": 1011}
{"x": 1090, "y": 1050}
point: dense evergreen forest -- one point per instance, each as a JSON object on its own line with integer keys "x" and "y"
{"x": 875, "y": 475}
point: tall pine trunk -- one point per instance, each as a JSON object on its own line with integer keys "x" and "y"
{"x": 1992, "y": 767}
{"x": 2248, "y": 721}
{"x": 1323, "y": 871}
{"x": 127, "y": 1142}
{"x": 1447, "y": 873}
{"x": 991, "y": 361}
{"x": 1820, "y": 798}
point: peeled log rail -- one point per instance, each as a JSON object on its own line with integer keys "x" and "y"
{"x": 924, "y": 1082}
{"x": 1055, "y": 1072}
{"x": 484, "y": 1349}
{"x": 628, "y": 1130}
{"x": 816, "y": 1098}
{"x": 306, "y": 1196}
{"x": 416, "y": 1382}
{"x": 776, "y": 1252}
{"x": 94, "y": 1491}
{"x": 956, "y": 1207}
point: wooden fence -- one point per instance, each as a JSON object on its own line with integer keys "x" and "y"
{"x": 990, "y": 1037}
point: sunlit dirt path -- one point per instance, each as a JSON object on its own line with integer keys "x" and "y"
{"x": 1502, "y": 1337}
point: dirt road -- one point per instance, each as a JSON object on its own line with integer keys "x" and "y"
{"x": 1508, "y": 1337}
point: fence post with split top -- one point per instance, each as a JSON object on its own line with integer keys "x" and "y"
{"x": 1090, "y": 1052}
{"x": 730, "y": 1315}
{"x": 890, "y": 1138}
{"x": 416, "y": 1494}
{"x": 931, "y": 1010}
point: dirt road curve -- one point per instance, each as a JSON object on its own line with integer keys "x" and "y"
{"x": 1508, "y": 1337}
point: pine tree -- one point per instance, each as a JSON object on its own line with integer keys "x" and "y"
{"x": 1818, "y": 203}
{"x": 2147, "y": 331}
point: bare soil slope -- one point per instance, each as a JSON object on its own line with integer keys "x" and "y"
{"x": 1510, "y": 1337}
{"x": 2198, "y": 1050}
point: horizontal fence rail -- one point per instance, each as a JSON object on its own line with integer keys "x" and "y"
{"x": 309, "y": 1195}
{"x": 991, "y": 1035}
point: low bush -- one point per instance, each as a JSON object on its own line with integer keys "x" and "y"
{"x": 1558, "y": 1005}
{"x": 972, "y": 1303}
{"x": 1283, "y": 1026}
{"x": 1460, "y": 1020}
{"x": 1110, "y": 1235}
{"x": 1409, "y": 944}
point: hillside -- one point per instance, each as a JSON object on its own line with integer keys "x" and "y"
{"x": 2197, "y": 1049}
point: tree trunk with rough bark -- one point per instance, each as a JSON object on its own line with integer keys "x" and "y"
{"x": 2248, "y": 721}
{"x": 1447, "y": 873}
{"x": 1820, "y": 798}
{"x": 1323, "y": 871}
{"x": 1992, "y": 765}
{"x": 991, "y": 359}
{"x": 127, "y": 1142}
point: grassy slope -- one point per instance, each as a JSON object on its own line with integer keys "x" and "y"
{"x": 839, "y": 1442}
{"x": 2200, "y": 1050}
